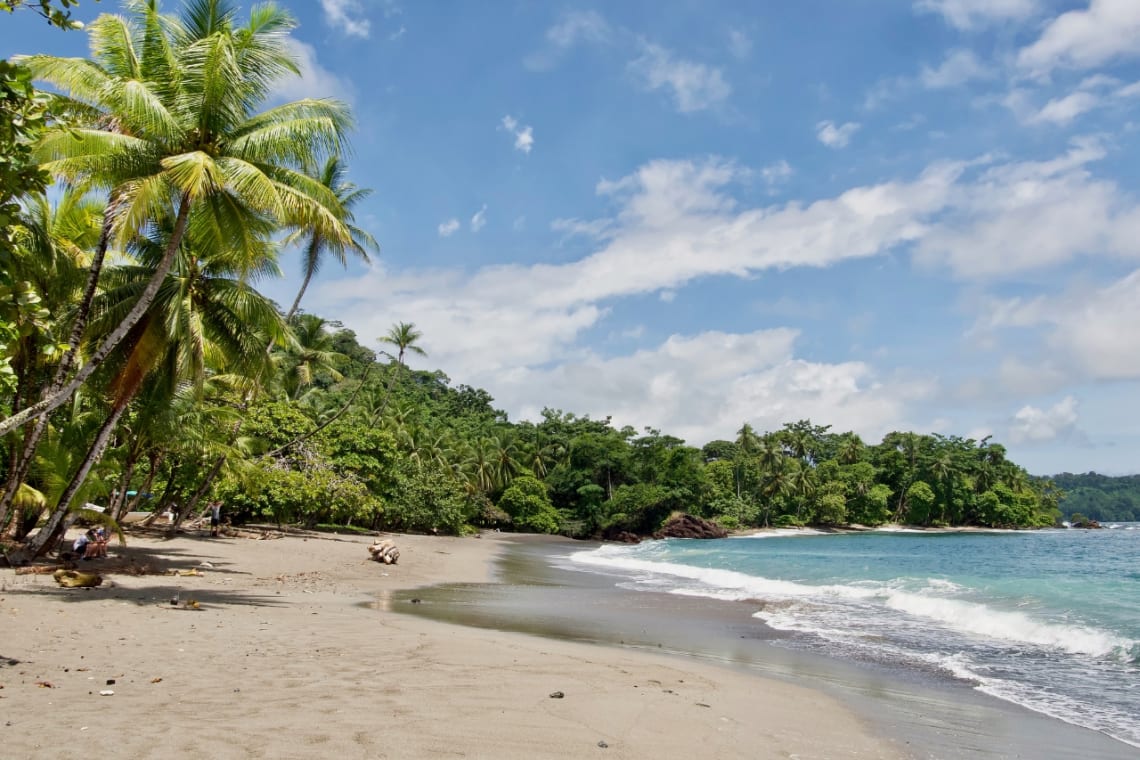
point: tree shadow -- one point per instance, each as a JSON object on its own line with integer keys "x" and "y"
{"x": 160, "y": 595}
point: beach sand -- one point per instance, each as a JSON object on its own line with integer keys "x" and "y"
{"x": 295, "y": 652}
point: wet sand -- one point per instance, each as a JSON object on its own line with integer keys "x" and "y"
{"x": 927, "y": 714}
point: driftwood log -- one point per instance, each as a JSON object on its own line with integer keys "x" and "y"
{"x": 384, "y": 551}
{"x": 76, "y": 579}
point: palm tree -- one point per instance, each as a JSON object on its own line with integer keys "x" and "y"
{"x": 319, "y": 242}
{"x": 309, "y": 356}
{"x": 49, "y": 266}
{"x": 404, "y": 336}
{"x": 206, "y": 312}
{"x": 193, "y": 140}
{"x": 747, "y": 439}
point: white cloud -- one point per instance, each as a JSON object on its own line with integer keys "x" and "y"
{"x": 524, "y": 136}
{"x": 448, "y": 228}
{"x": 959, "y": 67}
{"x": 834, "y": 136}
{"x": 346, "y": 15}
{"x": 695, "y": 86}
{"x": 573, "y": 28}
{"x": 704, "y": 386}
{"x": 1092, "y": 329}
{"x": 479, "y": 220}
{"x": 315, "y": 80}
{"x": 1063, "y": 110}
{"x": 1019, "y": 217}
{"x": 1097, "y": 91}
{"x": 971, "y": 14}
{"x": 739, "y": 44}
{"x": 1082, "y": 39}
{"x": 1129, "y": 91}
{"x": 578, "y": 26}
{"x": 398, "y": 33}
{"x": 1031, "y": 424}
{"x": 777, "y": 173}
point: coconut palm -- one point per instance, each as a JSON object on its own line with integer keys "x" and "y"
{"x": 192, "y": 140}
{"x": 55, "y": 244}
{"x": 205, "y": 314}
{"x": 308, "y": 356}
{"x": 317, "y": 240}
{"x": 404, "y": 336}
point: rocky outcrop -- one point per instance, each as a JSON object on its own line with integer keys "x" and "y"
{"x": 688, "y": 526}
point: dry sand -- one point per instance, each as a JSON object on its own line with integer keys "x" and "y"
{"x": 294, "y": 653}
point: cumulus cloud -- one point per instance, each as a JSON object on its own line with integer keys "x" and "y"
{"x": 971, "y": 14}
{"x": 1082, "y": 39}
{"x": 1032, "y": 215}
{"x": 1092, "y": 329}
{"x": 1031, "y": 424}
{"x": 836, "y": 136}
{"x": 705, "y": 385}
{"x": 479, "y": 220}
{"x": 448, "y": 228}
{"x": 347, "y": 16}
{"x": 315, "y": 81}
{"x": 959, "y": 67}
{"x": 695, "y": 86}
{"x": 524, "y": 136}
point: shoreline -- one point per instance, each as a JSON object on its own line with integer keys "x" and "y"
{"x": 926, "y": 712}
{"x": 295, "y": 651}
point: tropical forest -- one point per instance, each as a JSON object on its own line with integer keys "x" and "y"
{"x": 145, "y": 193}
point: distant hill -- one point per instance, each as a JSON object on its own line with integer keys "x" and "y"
{"x": 1101, "y": 497}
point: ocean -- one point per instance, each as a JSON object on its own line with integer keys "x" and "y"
{"x": 1049, "y": 620}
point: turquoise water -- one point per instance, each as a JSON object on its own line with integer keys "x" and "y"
{"x": 1047, "y": 619}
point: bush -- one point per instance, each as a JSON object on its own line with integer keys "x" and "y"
{"x": 528, "y": 504}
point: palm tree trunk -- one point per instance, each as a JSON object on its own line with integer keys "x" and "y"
{"x": 130, "y": 506}
{"x": 19, "y": 472}
{"x": 59, "y": 398}
{"x": 189, "y": 507}
{"x": 309, "y": 271}
{"x": 57, "y": 523}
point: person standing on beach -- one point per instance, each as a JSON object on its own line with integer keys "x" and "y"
{"x": 215, "y": 517}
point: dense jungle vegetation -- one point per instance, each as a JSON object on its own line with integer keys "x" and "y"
{"x": 1100, "y": 497}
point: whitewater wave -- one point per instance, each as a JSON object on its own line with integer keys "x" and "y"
{"x": 930, "y": 603}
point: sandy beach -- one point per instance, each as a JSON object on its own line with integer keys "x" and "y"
{"x": 294, "y": 652}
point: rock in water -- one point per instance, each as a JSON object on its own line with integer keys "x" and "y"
{"x": 687, "y": 526}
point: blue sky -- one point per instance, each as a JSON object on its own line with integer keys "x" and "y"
{"x": 879, "y": 214}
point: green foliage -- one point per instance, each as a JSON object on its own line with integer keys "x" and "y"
{"x": 1099, "y": 497}
{"x": 310, "y": 496}
{"x": 55, "y": 12}
{"x": 426, "y": 500}
{"x": 920, "y": 497}
{"x": 529, "y": 507}
{"x": 639, "y": 507}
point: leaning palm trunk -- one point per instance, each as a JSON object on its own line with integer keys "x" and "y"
{"x": 19, "y": 472}
{"x": 58, "y": 523}
{"x": 136, "y": 313}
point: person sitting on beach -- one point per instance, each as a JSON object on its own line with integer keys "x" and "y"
{"x": 87, "y": 545}
{"x": 98, "y": 547}
{"x": 80, "y": 545}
